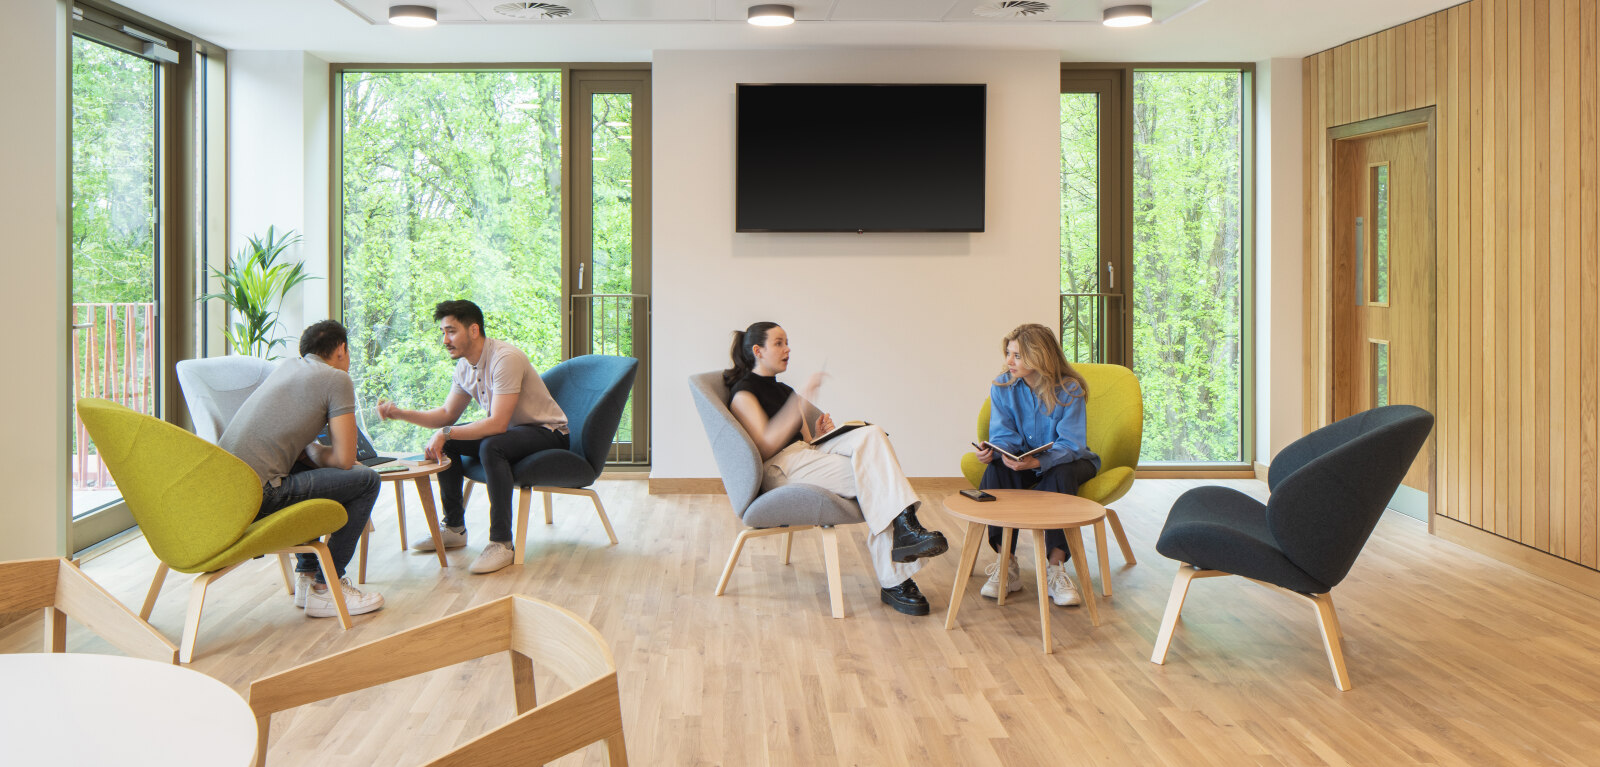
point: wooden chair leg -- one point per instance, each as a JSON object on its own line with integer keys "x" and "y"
{"x": 329, "y": 573}
{"x": 522, "y": 682}
{"x": 1169, "y": 621}
{"x": 524, "y": 498}
{"x": 400, "y": 513}
{"x": 287, "y": 571}
{"x": 155, "y": 591}
{"x": 263, "y": 729}
{"x": 1122, "y": 538}
{"x": 733, "y": 559}
{"x": 191, "y": 622}
{"x": 1330, "y": 639}
{"x": 605, "y": 521}
{"x": 788, "y": 544}
{"x": 361, "y": 553}
{"x": 466, "y": 492}
{"x": 830, "y": 554}
{"x": 55, "y": 630}
{"x": 549, "y": 513}
{"x": 616, "y": 751}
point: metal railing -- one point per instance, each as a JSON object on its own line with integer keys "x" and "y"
{"x": 1083, "y": 325}
{"x": 114, "y": 358}
{"x": 618, "y": 324}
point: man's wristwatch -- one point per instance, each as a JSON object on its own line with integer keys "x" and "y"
{"x": 445, "y": 432}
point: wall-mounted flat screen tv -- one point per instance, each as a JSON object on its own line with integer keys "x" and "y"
{"x": 860, "y": 158}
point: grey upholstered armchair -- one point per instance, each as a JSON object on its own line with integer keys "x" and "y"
{"x": 1328, "y": 490}
{"x": 784, "y": 510}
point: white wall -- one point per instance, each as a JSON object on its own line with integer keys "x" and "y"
{"x": 908, "y": 324}
{"x": 278, "y": 165}
{"x": 33, "y": 215}
{"x": 1278, "y": 287}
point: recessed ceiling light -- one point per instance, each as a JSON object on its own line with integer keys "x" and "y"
{"x": 413, "y": 15}
{"x": 1127, "y": 16}
{"x": 771, "y": 15}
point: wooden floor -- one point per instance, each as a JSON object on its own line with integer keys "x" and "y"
{"x": 1456, "y": 659}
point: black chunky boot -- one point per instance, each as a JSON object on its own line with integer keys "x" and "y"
{"x": 906, "y": 598}
{"x": 912, "y": 541}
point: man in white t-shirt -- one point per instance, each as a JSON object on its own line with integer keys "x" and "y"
{"x": 521, "y": 418}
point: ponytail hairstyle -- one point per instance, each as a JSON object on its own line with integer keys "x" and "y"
{"x": 744, "y": 360}
{"x": 1041, "y": 353}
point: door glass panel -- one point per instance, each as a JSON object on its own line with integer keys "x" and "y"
{"x": 1082, "y": 308}
{"x": 114, "y": 248}
{"x": 1188, "y": 277}
{"x": 451, "y": 189}
{"x": 1380, "y": 372}
{"x": 610, "y": 295}
{"x": 1378, "y": 275}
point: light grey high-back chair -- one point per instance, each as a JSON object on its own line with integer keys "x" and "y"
{"x": 784, "y": 510}
{"x": 216, "y": 387}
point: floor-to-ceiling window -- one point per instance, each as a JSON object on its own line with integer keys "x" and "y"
{"x": 453, "y": 185}
{"x": 1155, "y": 248}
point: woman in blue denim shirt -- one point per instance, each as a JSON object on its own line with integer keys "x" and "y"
{"x": 1039, "y": 399}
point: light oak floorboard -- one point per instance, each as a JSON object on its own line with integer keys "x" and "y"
{"x": 1454, "y": 658}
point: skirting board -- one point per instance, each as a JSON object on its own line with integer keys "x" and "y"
{"x": 1261, "y": 471}
{"x": 704, "y": 486}
{"x": 1548, "y": 566}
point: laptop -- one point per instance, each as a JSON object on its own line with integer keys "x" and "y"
{"x": 366, "y": 454}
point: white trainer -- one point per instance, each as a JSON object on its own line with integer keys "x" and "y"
{"x": 302, "y": 587}
{"x": 319, "y": 604}
{"x": 1013, "y": 579}
{"x": 1062, "y": 592}
{"x": 451, "y": 537}
{"x": 494, "y": 557}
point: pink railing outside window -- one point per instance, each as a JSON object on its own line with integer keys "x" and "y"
{"x": 113, "y": 357}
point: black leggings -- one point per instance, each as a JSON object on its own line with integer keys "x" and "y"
{"x": 1062, "y": 478}
{"x": 497, "y": 453}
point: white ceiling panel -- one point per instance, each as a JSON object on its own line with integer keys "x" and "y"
{"x": 656, "y": 10}
{"x": 889, "y": 10}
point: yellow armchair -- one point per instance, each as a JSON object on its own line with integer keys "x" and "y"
{"x": 1115, "y": 412}
{"x": 196, "y": 505}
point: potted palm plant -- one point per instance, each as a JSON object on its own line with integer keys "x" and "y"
{"x": 254, "y": 285}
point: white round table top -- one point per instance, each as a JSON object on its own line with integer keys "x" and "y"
{"x": 85, "y": 709}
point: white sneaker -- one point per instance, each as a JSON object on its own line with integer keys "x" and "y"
{"x": 1013, "y": 579}
{"x": 451, "y": 537}
{"x": 1062, "y": 592}
{"x": 494, "y": 557}
{"x": 319, "y": 604}
{"x": 302, "y": 587}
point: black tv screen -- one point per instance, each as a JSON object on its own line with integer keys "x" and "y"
{"x": 860, "y": 158}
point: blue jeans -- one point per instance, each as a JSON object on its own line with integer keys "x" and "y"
{"x": 355, "y": 488}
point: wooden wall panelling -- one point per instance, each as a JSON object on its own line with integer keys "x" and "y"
{"x": 1516, "y": 84}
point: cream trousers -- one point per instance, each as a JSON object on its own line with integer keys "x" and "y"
{"x": 860, "y": 465}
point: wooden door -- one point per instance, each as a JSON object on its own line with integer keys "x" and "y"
{"x": 1383, "y": 284}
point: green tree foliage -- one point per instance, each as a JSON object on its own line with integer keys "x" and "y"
{"x": 1187, "y": 268}
{"x": 113, "y": 175}
{"x": 452, "y": 189}
{"x": 1080, "y": 225}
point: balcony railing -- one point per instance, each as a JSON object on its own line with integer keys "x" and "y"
{"x": 1083, "y": 324}
{"x": 618, "y": 325}
{"x": 114, "y": 358}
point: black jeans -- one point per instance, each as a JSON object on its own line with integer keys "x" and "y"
{"x": 356, "y": 488}
{"x": 1062, "y": 478}
{"x": 496, "y": 453}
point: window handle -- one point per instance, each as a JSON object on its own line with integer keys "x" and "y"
{"x": 580, "y": 277}
{"x": 1111, "y": 276}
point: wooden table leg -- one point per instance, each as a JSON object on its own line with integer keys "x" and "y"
{"x": 1104, "y": 555}
{"x": 400, "y": 512}
{"x": 431, "y": 515}
{"x": 1005, "y": 563}
{"x": 1044, "y": 595}
{"x": 969, "y": 557}
{"x": 1075, "y": 544}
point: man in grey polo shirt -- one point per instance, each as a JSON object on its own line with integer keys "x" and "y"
{"x": 521, "y": 418}
{"x": 275, "y": 433}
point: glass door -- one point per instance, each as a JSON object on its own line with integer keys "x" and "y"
{"x": 610, "y": 290}
{"x": 115, "y": 251}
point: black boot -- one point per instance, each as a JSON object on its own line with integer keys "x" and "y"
{"x": 906, "y": 598}
{"x": 912, "y": 541}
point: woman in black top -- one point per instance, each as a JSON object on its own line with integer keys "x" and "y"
{"x": 859, "y": 464}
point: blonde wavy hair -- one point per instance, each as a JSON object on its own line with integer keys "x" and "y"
{"x": 1041, "y": 353}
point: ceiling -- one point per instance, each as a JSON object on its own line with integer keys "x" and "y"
{"x": 631, "y": 30}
